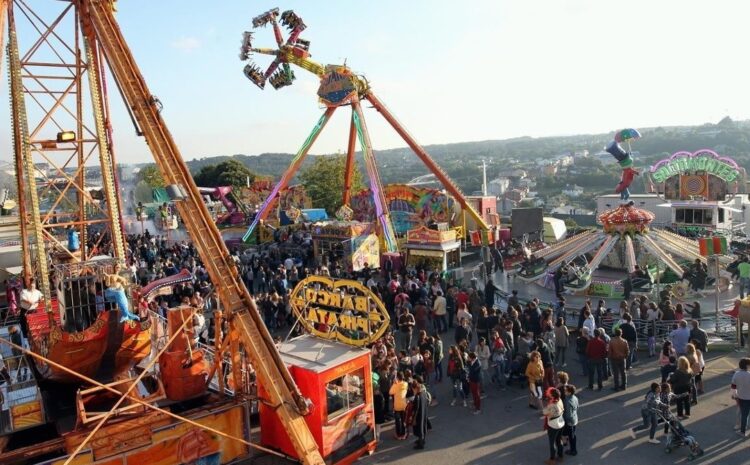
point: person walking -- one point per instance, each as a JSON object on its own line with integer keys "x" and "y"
{"x": 741, "y": 393}
{"x": 553, "y": 416}
{"x": 648, "y": 413}
{"x": 570, "y": 415}
{"x": 618, "y": 351}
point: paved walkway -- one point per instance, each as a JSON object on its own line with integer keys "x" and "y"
{"x": 508, "y": 432}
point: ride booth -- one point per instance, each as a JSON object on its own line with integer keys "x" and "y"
{"x": 331, "y": 367}
{"x": 432, "y": 249}
{"x": 352, "y": 243}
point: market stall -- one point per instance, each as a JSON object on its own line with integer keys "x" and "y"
{"x": 350, "y": 243}
{"x": 431, "y": 249}
{"x": 331, "y": 367}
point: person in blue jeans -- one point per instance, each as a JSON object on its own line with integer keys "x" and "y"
{"x": 570, "y": 414}
{"x": 648, "y": 413}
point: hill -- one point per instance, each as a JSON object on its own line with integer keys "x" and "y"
{"x": 462, "y": 160}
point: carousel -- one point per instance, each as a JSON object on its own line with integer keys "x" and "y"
{"x": 625, "y": 243}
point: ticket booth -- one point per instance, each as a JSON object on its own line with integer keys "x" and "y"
{"x": 337, "y": 378}
{"x": 431, "y": 249}
{"x": 331, "y": 367}
{"x": 352, "y": 243}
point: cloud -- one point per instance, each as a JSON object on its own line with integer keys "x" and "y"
{"x": 186, "y": 44}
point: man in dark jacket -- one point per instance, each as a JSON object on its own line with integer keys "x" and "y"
{"x": 596, "y": 352}
{"x": 630, "y": 335}
{"x": 421, "y": 404}
{"x": 698, "y": 335}
{"x": 547, "y": 361}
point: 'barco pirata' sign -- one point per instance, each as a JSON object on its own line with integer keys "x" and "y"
{"x": 342, "y": 310}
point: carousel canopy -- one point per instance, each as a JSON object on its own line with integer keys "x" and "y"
{"x": 626, "y": 218}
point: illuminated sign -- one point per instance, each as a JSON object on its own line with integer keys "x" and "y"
{"x": 423, "y": 235}
{"x": 337, "y": 86}
{"x": 702, "y": 160}
{"x": 342, "y": 310}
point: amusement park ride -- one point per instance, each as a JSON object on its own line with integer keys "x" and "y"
{"x": 339, "y": 86}
{"x": 122, "y": 411}
{"x": 700, "y": 181}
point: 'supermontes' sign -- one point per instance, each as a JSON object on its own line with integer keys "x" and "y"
{"x": 703, "y": 160}
{"x": 342, "y": 310}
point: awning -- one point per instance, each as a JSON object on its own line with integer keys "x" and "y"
{"x": 444, "y": 247}
{"x": 427, "y": 253}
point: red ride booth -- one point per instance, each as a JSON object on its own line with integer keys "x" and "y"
{"x": 331, "y": 367}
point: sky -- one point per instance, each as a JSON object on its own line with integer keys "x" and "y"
{"x": 484, "y": 70}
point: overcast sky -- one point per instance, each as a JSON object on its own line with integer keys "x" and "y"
{"x": 451, "y": 71}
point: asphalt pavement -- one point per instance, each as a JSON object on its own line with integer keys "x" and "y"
{"x": 509, "y": 432}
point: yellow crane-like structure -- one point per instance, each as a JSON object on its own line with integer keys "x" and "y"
{"x": 55, "y": 196}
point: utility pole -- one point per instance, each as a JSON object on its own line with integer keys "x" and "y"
{"x": 484, "y": 178}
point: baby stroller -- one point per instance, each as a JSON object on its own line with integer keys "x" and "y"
{"x": 678, "y": 435}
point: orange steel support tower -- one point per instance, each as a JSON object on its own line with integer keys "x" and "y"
{"x": 97, "y": 40}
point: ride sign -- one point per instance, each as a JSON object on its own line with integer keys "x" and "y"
{"x": 702, "y": 160}
{"x": 342, "y": 310}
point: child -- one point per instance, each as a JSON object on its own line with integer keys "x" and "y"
{"x": 648, "y": 412}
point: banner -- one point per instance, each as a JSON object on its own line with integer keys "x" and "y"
{"x": 712, "y": 246}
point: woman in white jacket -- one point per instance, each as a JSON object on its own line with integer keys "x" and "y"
{"x": 483, "y": 354}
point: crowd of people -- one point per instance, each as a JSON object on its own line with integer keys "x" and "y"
{"x": 468, "y": 336}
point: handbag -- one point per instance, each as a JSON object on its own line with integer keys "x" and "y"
{"x": 555, "y": 422}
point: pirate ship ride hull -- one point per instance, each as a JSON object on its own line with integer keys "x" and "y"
{"x": 80, "y": 351}
{"x": 85, "y": 351}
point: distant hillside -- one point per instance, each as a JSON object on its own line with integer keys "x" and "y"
{"x": 462, "y": 160}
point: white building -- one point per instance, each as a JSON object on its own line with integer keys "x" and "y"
{"x": 497, "y": 187}
{"x": 570, "y": 210}
{"x": 573, "y": 191}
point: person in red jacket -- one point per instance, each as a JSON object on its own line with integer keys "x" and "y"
{"x": 596, "y": 352}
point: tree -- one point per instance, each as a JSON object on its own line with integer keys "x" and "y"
{"x": 227, "y": 173}
{"x": 324, "y": 181}
{"x": 151, "y": 175}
